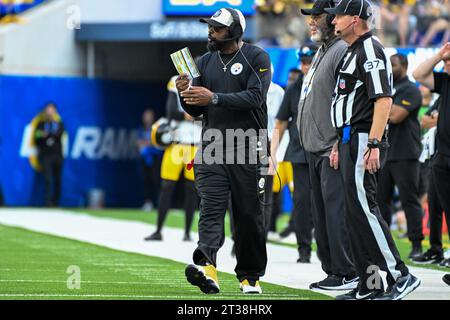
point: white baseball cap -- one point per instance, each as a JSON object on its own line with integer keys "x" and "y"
{"x": 224, "y": 18}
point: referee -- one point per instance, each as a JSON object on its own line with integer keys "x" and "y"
{"x": 360, "y": 110}
{"x": 231, "y": 95}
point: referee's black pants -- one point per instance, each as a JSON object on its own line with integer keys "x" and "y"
{"x": 214, "y": 184}
{"x": 370, "y": 237}
{"x": 330, "y": 229}
{"x": 441, "y": 174}
{"x": 405, "y": 174}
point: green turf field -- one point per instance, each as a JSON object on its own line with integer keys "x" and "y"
{"x": 175, "y": 218}
{"x": 34, "y": 266}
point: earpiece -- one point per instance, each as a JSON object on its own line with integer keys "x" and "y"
{"x": 236, "y": 31}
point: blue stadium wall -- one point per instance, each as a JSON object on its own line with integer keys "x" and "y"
{"x": 101, "y": 118}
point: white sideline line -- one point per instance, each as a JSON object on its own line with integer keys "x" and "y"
{"x": 124, "y": 235}
{"x": 83, "y": 281}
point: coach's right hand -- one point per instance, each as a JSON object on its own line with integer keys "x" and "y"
{"x": 182, "y": 82}
{"x": 334, "y": 156}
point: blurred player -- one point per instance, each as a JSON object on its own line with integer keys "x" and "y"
{"x": 174, "y": 163}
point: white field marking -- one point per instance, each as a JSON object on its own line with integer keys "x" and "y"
{"x": 51, "y": 270}
{"x": 127, "y": 236}
{"x": 83, "y": 281}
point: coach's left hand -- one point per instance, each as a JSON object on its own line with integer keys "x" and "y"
{"x": 372, "y": 160}
{"x": 197, "y": 96}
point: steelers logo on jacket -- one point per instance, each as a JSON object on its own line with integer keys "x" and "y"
{"x": 236, "y": 69}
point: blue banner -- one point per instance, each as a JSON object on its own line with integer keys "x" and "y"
{"x": 100, "y": 118}
{"x": 205, "y": 7}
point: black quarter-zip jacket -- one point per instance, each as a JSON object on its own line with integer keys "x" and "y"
{"x": 242, "y": 91}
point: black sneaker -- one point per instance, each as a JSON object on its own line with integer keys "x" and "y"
{"x": 402, "y": 287}
{"x": 154, "y": 237}
{"x": 187, "y": 237}
{"x": 355, "y": 294}
{"x": 446, "y": 278}
{"x": 430, "y": 256}
{"x": 304, "y": 255}
{"x": 333, "y": 282}
{"x": 445, "y": 263}
{"x": 415, "y": 252}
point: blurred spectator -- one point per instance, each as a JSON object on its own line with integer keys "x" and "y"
{"x": 280, "y": 24}
{"x": 47, "y": 135}
{"x": 440, "y": 23}
{"x": 395, "y": 19}
{"x": 399, "y": 22}
{"x": 9, "y": 9}
{"x": 150, "y": 157}
{"x": 432, "y": 19}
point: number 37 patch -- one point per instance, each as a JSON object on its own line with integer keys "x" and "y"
{"x": 376, "y": 64}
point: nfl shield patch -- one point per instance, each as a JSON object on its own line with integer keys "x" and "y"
{"x": 342, "y": 84}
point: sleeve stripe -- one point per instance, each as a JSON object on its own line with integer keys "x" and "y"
{"x": 370, "y": 53}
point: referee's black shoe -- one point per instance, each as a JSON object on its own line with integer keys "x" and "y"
{"x": 332, "y": 282}
{"x": 446, "y": 278}
{"x": 402, "y": 287}
{"x": 359, "y": 294}
{"x": 430, "y": 256}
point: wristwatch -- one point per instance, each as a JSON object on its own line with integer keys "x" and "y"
{"x": 215, "y": 99}
{"x": 373, "y": 143}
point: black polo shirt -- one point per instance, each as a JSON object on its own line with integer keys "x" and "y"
{"x": 404, "y": 137}
{"x": 442, "y": 86}
{"x": 288, "y": 112}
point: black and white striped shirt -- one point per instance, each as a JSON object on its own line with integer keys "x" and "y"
{"x": 366, "y": 74}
